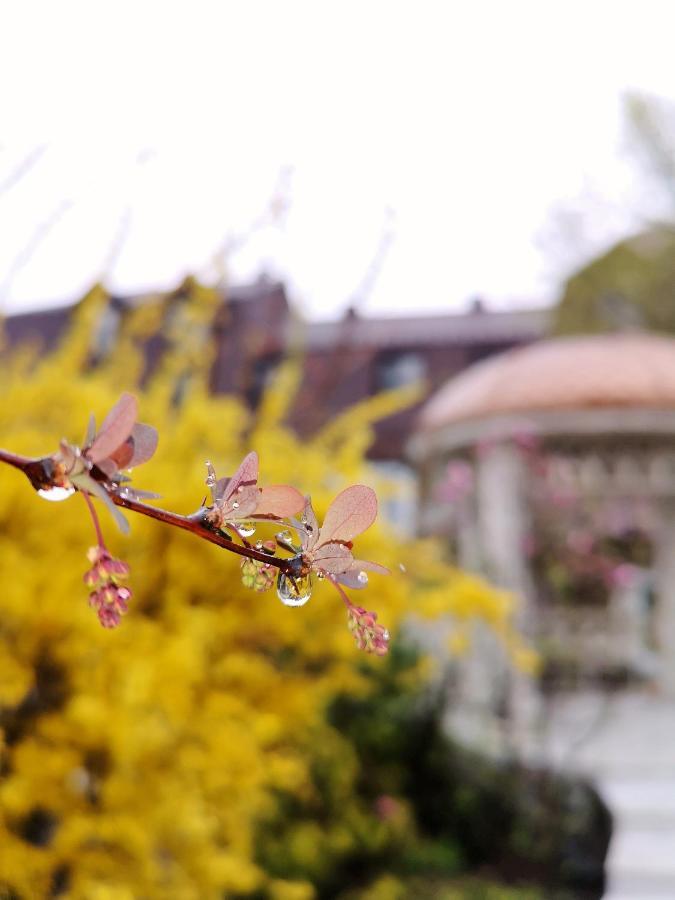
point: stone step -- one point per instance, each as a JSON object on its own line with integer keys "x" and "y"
{"x": 637, "y": 887}
{"x": 641, "y": 863}
{"x": 641, "y": 797}
{"x": 641, "y": 860}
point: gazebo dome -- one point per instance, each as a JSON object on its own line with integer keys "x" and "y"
{"x": 604, "y": 372}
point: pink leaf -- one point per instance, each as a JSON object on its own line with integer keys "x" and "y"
{"x": 333, "y": 557}
{"x": 309, "y": 534}
{"x": 360, "y": 565}
{"x": 145, "y": 439}
{"x": 108, "y": 467}
{"x": 245, "y": 476}
{"x": 122, "y": 456}
{"x": 350, "y": 578}
{"x": 115, "y": 429}
{"x": 352, "y": 512}
{"x": 221, "y": 487}
{"x": 241, "y": 506}
{"x": 279, "y": 500}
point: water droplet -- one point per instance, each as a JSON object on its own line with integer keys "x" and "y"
{"x": 284, "y": 536}
{"x": 235, "y": 504}
{"x": 321, "y": 575}
{"x": 246, "y": 529}
{"x": 258, "y": 545}
{"x": 385, "y": 634}
{"x": 211, "y": 475}
{"x": 362, "y": 578}
{"x": 55, "y": 494}
{"x": 240, "y": 489}
{"x": 294, "y": 591}
{"x": 402, "y": 567}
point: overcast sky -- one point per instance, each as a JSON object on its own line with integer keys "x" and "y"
{"x": 458, "y": 134}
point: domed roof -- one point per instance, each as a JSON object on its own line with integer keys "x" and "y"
{"x": 604, "y": 371}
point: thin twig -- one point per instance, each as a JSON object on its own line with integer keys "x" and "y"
{"x": 39, "y": 473}
{"x": 94, "y": 518}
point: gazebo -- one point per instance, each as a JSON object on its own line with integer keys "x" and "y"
{"x": 588, "y": 418}
{"x": 551, "y": 469}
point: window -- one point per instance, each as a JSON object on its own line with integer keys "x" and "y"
{"x": 394, "y": 370}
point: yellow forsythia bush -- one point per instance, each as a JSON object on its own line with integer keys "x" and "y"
{"x": 135, "y": 762}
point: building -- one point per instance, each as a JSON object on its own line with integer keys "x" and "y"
{"x": 345, "y": 362}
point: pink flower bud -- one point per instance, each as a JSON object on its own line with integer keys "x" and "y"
{"x": 108, "y": 598}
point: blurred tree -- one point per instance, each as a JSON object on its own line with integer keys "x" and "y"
{"x": 632, "y": 285}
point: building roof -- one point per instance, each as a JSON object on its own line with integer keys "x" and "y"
{"x": 618, "y": 371}
{"x": 478, "y": 326}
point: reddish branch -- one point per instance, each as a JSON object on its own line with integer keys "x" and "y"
{"x": 39, "y": 471}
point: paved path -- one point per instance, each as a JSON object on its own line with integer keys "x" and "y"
{"x": 641, "y": 861}
{"x": 626, "y": 746}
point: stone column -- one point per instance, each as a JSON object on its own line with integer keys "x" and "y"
{"x": 503, "y": 521}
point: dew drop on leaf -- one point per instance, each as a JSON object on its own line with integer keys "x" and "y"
{"x": 294, "y": 591}
{"x": 55, "y": 494}
{"x": 362, "y": 578}
{"x": 211, "y": 476}
{"x": 246, "y": 529}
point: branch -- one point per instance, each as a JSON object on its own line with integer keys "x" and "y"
{"x": 39, "y": 471}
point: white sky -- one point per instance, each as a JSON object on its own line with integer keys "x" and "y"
{"x": 473, "y": 122}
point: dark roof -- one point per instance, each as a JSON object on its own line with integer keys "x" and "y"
{"x": 45, "y": 326}
{"x": 480, "y": 327}
{"x": 261, "y": 303}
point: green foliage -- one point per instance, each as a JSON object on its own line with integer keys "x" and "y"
{"x": 632, "y": 285}
{"x": 439, "y": 809}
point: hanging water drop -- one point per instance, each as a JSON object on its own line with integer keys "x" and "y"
{"x": 55, "y": 494}
{"x": 284, "y": 537}
{"x": 294, "y": 591}
{"x": 258, "y": 545}
{"x": 211, "y": 475}
{"x": 362, "y": 578}
{"x": 246, "y": 529}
